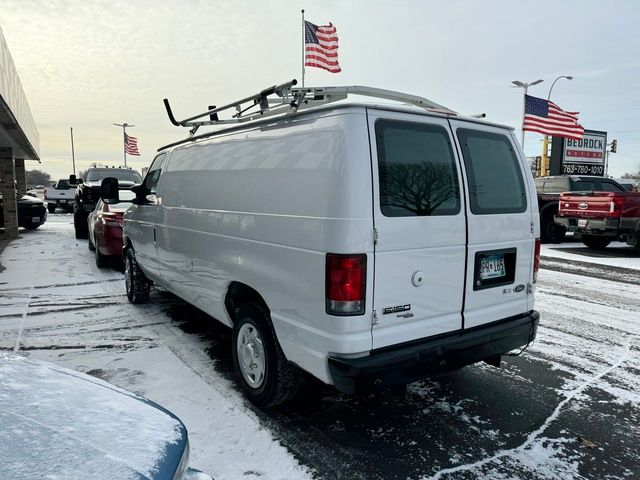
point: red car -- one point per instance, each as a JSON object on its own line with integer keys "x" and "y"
{"x": 105, "y": 232}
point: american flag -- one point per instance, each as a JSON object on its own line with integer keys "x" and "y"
{"x": 131, "y": 145}
{"x": 544, "y": 116}
{"x": 321, "y": 47}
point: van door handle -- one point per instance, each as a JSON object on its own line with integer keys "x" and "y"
{"x": 154, "y": 235}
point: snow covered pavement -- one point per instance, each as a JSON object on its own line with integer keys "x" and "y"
{"x": 56, "y": 305}
{"x": 569, "y": 407}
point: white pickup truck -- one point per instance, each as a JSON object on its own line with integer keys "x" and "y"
{"x": 61, "y": 196}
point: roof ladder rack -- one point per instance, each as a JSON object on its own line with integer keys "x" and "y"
{"x": 289, "y": 100}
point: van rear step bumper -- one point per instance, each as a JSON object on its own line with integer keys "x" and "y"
{"x": 401, "y": 364}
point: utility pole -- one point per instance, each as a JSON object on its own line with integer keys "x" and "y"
{"x": 124, "y": 138}
{"x": 613, "y": 148}
{"x": 73, "y": 154}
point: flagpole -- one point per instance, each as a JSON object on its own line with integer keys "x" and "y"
{"x": 524, "y": 109}
{"x": 303, "y": 39}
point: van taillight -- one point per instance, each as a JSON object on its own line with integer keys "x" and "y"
{"x": 536, "y": 261}
{"x": 346, "y": 280}
{"x": 615, "y": 207}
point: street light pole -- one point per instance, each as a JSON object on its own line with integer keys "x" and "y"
{"x": 124, "y": 138}
{"x": 544, "y": 170}
{"x": 526, "y": 86}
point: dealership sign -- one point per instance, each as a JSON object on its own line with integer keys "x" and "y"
{"x": 585, "y": 156}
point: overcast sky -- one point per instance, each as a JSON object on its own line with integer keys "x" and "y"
{"x": 87, "y": 64}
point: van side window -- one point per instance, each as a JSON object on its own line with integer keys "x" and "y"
{"x": 493, "y": 172}
{"x": 417, "y": 170}
{"x": 153, "y": 175}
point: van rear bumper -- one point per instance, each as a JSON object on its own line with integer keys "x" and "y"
{"x": 408, "y": 362}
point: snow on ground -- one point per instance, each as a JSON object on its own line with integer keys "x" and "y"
{"x": 594, "y": 348}
{"x": 56, "y": 305}
{"x": 617, "y": 254}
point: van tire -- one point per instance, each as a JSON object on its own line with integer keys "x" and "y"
{"x": 596, "y": 241}
{"x": 281, "y": 378}
{"x": 51, "y": 207}
{"x": 136, "y": 282}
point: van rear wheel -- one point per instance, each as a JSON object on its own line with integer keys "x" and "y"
{"x": 265, "y": 375}
{"x": 136, "y": 282}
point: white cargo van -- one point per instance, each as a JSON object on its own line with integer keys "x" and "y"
{"x": 369, "y": 245}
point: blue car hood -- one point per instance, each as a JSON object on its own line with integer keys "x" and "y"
{"x": 58, "y": 423}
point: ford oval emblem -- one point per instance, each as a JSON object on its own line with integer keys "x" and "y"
{"x": 583, "y": 205}
{"x": 519, "y": 288}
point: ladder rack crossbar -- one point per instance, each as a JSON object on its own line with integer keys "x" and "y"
{"x": 289, "y": 100}
{"x": 256, "y": 98}
{"x": 375, "y": 93}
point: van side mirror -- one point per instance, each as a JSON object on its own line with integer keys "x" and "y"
{"x": 109, "y": 190}
{"x": 73, "y": 180}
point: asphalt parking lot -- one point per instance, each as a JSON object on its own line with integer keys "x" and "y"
{"x": 568, "y": 407}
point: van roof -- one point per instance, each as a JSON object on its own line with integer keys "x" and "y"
{"x": 396, "y": 107}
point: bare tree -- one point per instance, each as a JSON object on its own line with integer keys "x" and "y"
{"x": 37, "y": 177}
{"x": 418, "y": 187}
{"x": 634, "y": 174}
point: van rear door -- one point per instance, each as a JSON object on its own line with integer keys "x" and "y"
{"x": 500, "y": 213}
{"x": 418, "y": 213}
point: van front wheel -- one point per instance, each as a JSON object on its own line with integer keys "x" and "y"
{"x": 264, "y": 374}
{"x": 136, "y": 282}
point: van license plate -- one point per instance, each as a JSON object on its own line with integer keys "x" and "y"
{"x": 582, "y": 222}
{"x": 492, "y": 267}
{"x": 63, "y": 201}
{"x": 35, "y": 219}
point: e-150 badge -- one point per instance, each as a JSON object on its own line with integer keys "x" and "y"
{"x": 396, "y": 309}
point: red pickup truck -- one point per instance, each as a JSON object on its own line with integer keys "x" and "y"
{"x": 601, "y": 217}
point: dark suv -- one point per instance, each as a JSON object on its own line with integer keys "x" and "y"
{"x": 549, "y": 190}
{"x": 88, "y": 192}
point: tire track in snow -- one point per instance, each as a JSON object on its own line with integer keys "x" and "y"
{"x": 25, "y": 313}
{"x": 533, "y": 436}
